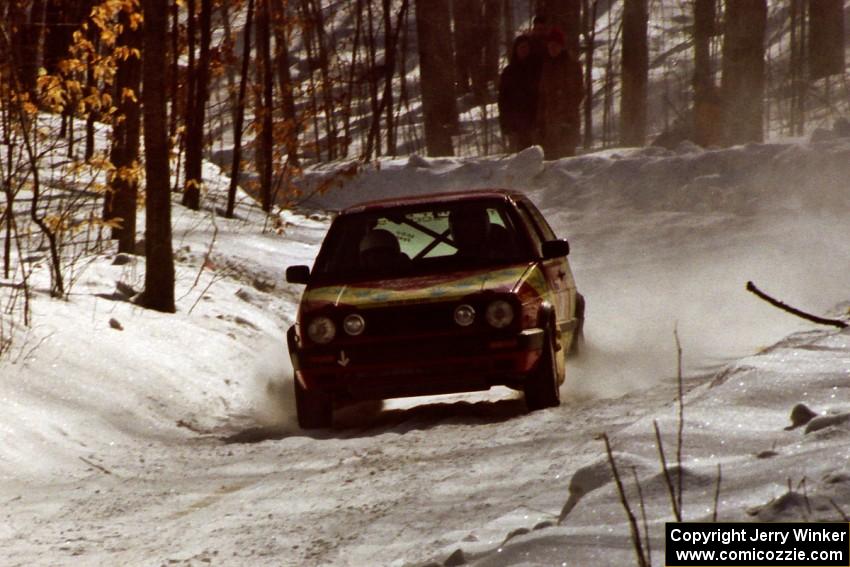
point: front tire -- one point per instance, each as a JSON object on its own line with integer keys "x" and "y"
{"x": 315, "y": 409}
{"x": 541, "y": 386}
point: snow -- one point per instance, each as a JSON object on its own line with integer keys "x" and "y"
{"x": 173, "y": 441}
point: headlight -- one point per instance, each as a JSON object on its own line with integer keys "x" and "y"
{"x": 354, "y": 324}
{"x": 321, "y": 330}
{"x": 464, "y": 315}
{"x": 499, "y": 314}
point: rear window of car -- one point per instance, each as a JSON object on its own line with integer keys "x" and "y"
{"x": 425, "y": 240}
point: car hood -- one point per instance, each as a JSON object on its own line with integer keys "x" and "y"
{"x": 420, "y": 289}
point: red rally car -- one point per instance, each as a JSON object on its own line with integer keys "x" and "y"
{"x": 455, "y": 292}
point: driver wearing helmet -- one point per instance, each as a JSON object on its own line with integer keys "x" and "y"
{"x": 379, "y": 249}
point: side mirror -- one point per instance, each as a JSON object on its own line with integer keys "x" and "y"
{"x": 298, "y": 274}
{"x": 556, "y": 249}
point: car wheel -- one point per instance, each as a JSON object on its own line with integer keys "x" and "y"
{"x": 541, "y": 387}
{"x": 577, "y": 342}
{"x": 315, "y": 409}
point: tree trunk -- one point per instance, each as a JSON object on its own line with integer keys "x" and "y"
{"x": 174, "y": 10}
{"x": 239, "y": 119}
{"x": 465, "y": 17}
{"x": 352, "y": 73}
{"x": 589, "y": 24}
{"x": 742, "y": 84}
{"x": 796, "y": 67}
{"x": 159, "y": 271}
{"x": 479, "y": 38}
{"x": 57, "y": 37}
{"x": 281, "y": 31}
{"x": 389, "y": 72}
{"x": 493, "y": 21}
{"x": 121, "y": 199}
{"x": 267, "y": 105}
{"x": 93, "y": 114}
{"x": 327, "y": 81}
{"x": 508, "y": 30}
{"x": 707, "y": 105}
{"x": 826, "y": 38}
{"x": 26, "y": 42}
{"x": 387, "y": 97}
{"x": 437, "y": 75}
{"x": 635, "y": 68}
{"x": 373, "y": 76}
{"x": 197, "y": 112}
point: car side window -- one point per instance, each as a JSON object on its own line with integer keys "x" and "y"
{"x": 533, "y": 232}
{"x": 544, "y": 230}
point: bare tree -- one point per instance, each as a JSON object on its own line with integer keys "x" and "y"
{"x": 239, "y": 119}
{"x": 477, "y": 37}
{"x": 796, "y": 67}
{"x": 743, "y": 70}
{"x": 28, "y": 32}
{"x": 635, "y": 67}
{"x": 266, "y": 106}
{"x": 827, "y": 38}
{"x": 281, "y": 26}
{"x": 589, "y": 12}
{"x": 386, "y": 102}
{"x": 437, "y": 75}
{"x": 707, "y": 117}
{"x": 196, "y": 107}
{"x": 174, "y": 66}
{"x": 464, "y": 17}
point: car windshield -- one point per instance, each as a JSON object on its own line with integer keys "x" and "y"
{"x": 399, "y": 241}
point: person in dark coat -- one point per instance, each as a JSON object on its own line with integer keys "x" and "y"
{"x": 518, "y": 96}
{"x": 537, "y": 36}
{"x": 560, "y": 93}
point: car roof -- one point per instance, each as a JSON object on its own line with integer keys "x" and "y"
{"x": 449, "y": 197}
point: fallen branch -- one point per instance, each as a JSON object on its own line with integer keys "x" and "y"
{"x": 808, "y": 316}
{"x": 95, "y": 465}
{"x": 717, "y": 493}
{"x": 677, "y": 513}
{"x": 633, "y": 525}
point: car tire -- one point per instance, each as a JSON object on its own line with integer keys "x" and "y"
{"x": 577, "y": 343}
{"x": 315, "y": 409}
{"x": 541, "y": 387}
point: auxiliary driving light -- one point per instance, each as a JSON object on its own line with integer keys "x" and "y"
{"x": 464, "y": 315}
{"x": 354, "y": 324}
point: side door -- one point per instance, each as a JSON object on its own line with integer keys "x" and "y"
{"x": 557, "y": 271}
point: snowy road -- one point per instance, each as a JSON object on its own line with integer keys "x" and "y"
{"x": 150, "y": 446}
{"x": 400, "y": 486}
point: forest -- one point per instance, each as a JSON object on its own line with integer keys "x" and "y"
{"x": 163, "y": 162}
{"x": 266, "y": 88}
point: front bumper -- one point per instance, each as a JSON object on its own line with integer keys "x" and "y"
{"x": 403, "y": 367}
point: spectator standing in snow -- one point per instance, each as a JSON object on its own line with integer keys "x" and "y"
{"x": 518, "y": 96}
{"x": 560, "y": 93}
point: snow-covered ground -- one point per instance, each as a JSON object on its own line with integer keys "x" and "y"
{"x": 170, "y": 440}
